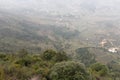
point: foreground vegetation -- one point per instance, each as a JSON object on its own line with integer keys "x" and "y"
{"x": 52, "y": 65}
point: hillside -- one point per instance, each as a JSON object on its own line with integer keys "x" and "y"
{"x": 17, "y": 33}
{"x": 38, "y": 25}
{"x": 59, "y": 40}
{"x": 34, "y": 34}
{"x": 99, "y": 54}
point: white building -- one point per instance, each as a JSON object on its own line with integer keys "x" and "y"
{"x": 113, "y": 50}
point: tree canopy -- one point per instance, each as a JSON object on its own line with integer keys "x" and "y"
{"x": 69, "y": 70}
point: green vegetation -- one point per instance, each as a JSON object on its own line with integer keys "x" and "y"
{"x": 114, "y": 69}
{"x": 36, "y": 31}
{"x": 85, "y": 56}
{"x": 22, "y": 65}
{"x": 69, "y": 70}
{"x": 98, "y": 71}
{"x": 52, "y": 65}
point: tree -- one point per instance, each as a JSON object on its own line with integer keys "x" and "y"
{"x": 114, "y": 67}
{"x": 2, "y": 56}
{"x": 84, "y": 55}
{"x": 48, "y": 54}
{"x": 69, "y": 70}
{"x": 22, "y": 53}
{"x": 61, "y": 56}
{"x": 98, "y": 70}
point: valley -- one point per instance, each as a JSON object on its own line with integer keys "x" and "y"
{"x": 59, "y": 40}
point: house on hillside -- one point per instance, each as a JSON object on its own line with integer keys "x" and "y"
{"x": 113, "y": 50}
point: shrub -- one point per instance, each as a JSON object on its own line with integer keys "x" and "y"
{"x": 69, "y": 70}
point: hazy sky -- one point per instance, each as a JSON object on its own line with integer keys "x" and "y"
{"x": 63, "y": 6}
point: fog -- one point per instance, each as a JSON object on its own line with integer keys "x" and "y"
{"x": 73, "y": 7}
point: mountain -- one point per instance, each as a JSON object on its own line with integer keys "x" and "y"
{"x": 64, "y": 25}
{"x": 17, "y": 33}
{"x": 60, "y": 32}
